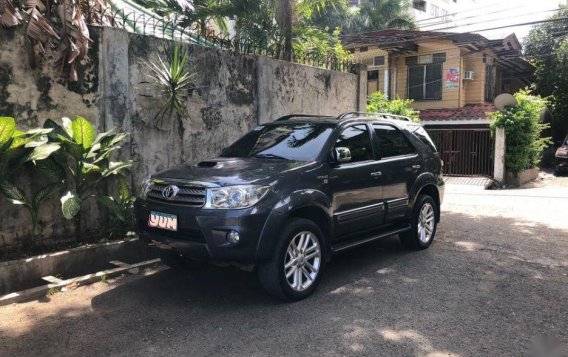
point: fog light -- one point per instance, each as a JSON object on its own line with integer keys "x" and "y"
{"x": 233, "y": 237}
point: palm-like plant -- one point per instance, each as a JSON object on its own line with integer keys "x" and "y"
{"x": 174, "y": 79}
{"x": 71, "y": 34}
{"x": 381, "y": 14}
{"x": 196, "y": 14}
{"x": 24, "y": 149}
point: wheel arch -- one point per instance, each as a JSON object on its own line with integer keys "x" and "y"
{"x": 432, "y": 191}
{"x": 426, "y": 184}
{"x": 312, "y": 205}
{"x": 320, "y": 217}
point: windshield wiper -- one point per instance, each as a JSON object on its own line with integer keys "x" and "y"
{"x": 269, "y": 156}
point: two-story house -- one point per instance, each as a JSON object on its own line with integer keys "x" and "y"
{"x": 453, "y": 79}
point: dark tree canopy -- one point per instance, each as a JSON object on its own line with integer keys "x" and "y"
{"x": 546, "y": 47}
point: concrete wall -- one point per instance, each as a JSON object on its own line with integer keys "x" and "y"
{"x": 233, "y": 93}
{"x": 33, "y": 91}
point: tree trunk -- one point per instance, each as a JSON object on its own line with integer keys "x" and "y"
{"x": 285, "y": 23}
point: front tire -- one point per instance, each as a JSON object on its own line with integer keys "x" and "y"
{"x": 295, "y": 268}
{"x": 423, "y": 224}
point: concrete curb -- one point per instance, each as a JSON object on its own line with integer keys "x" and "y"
{"x": 39, "y": 291}
{"x": 26, "y": 273}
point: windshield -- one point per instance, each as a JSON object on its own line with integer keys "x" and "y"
{"x": 296, "y": 141}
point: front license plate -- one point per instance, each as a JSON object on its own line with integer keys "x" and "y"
{"x": 163, "y": 221}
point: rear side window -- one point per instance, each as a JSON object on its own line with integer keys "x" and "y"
{"x": 391, "y": 142}
{"x": 357, "y": 139}
{"x": 425, "y": 138}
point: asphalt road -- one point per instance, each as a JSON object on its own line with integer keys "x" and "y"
{"x": 494, "y": 283}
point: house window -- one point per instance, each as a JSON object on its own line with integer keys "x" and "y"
{"x": 425, "y": 82}
{"x": 425, "y": 76}
{"x": 419, "y": 5}
{"x": 379, "y": 61}
{"x": 373, "y": 84}
{"x": 363, "y": 49}
{"x": 373, "y": 75}
{"x": 434, "y": 10}
{"x": 489, "y": 83}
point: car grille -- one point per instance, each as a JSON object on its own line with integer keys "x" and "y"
{"x": 191, "y": 196}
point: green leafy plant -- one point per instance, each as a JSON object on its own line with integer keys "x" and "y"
{"x": 524, "y": 144}
{"x": 120, "y": 208}
{"x": 319, "y": 46}
{"x": 546, "y": 47}
{"x": 86, "y": 158}
{"x": 173, "y": 78}
{"x": 23, "y": 150}
{"x": 378, "y": 104}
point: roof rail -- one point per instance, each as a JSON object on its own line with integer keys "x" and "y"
{"x": 386, "y": 115}
{"x": 290, "y": 116}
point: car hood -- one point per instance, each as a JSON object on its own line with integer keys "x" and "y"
{"x": 234, "y": 171}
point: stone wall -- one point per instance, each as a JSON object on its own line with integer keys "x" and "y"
{"x": 233, "y": 93}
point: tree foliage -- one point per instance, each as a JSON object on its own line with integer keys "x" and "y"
{"x": 546, "y": 47}
{"x": 378, "y": 104}
{"x": 61, "y": 24}
{"x": 314, "y": 43}
{"x": 523, "y": 128}
{"x": 382, "y": 14}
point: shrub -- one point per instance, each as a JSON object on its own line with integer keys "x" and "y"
{"x": 86, "y": 158}
{"x": 524, "y": 144}
{"x": 21, "y": 152}
{"x": 378, "y": 104}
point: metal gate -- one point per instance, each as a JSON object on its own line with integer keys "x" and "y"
{"x": 465, "y": 152}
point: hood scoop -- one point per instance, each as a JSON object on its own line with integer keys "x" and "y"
{"x": 206, "y": 163}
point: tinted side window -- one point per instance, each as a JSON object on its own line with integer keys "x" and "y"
{"x": 425, "y": 138}
{"x": 391, "y": 142}
{"x": 357, "y": 139}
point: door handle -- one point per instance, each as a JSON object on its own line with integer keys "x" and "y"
{"x": 376, "y": 173}
{"x": 415, "y": 166}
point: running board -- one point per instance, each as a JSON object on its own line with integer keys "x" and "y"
{"x": 342, "y": 246}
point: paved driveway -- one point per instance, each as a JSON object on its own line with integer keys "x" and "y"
{"x": 493, "y": 283}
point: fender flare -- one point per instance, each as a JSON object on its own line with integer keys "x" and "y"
{"x": 280, "y": 213}
{"x": 423, "y": 180}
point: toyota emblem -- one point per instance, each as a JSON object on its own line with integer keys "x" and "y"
{"x": 170, "y": 192}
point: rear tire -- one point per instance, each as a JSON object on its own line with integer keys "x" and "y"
{"x": 177, "y": 262}
{"x": 423, "y": 224}
{"x": 295, "y": 268}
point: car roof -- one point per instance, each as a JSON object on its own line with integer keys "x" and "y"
{"x": 345, "y": 118}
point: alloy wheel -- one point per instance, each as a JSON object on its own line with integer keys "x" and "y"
{"x": 426, "y": 223}
{"x": 302, "y": 262}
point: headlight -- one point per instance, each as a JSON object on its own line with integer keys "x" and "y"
{"x": 235, "y": 196}
{"x": 562, "y": 152}
{"x": 145, "y": 188}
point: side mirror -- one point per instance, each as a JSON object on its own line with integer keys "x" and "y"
{"x": 342, "y": 155}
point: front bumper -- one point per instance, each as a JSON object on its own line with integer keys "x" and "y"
{"x": 201, "y": 233}
{"x": 561, "y": 162}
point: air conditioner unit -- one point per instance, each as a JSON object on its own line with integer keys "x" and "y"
{"x": 468, "y": 75}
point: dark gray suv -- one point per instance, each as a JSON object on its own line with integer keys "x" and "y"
{"x": 289, "y": 194}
